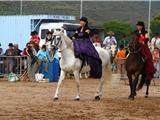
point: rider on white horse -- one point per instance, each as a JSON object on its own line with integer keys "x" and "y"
{"x": 69, "y": 62}
{"x": 84, "y": 49}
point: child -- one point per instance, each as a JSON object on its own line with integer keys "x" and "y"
{"x": 121, "y": 53}
{"x": 120, "y": 59}
{"x": 156, "y": 58}
{"x": 43, "y": 56}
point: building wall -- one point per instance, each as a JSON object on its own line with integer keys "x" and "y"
{"x": 14, "y": 29}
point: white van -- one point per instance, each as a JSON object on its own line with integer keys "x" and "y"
{"x": 69, "y": 29}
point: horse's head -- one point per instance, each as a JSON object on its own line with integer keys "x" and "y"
{"x": 134, "y": 45}
{"x": 61, "y": 41}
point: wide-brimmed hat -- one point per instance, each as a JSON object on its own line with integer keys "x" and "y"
{"x": 83, "y": 19}
{"x": 10, "y": 44}
{"x": 140, "y": 23}
{"x": 110, "y": 33}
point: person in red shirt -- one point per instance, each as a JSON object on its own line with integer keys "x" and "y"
{"x": 145, "y": 51}
{"x": 35, "y": 40}
{"x": 34, "y": 37}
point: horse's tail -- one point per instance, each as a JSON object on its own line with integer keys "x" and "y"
{"x": 107, "y": 72}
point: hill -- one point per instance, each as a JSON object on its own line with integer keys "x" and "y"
{"x": 97, "y": 11}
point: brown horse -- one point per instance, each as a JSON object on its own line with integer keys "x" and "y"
{"x": 135, "y": 66}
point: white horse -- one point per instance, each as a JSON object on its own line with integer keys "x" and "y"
{"x": 69, "y": 63}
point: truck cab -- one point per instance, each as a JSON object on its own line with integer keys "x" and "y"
{"x": 69, "y": 29}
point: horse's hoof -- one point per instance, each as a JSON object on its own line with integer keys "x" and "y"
{"x": 146, "y": 96}
{"x": 55, "y": 98}
{"x": 77, "y": 99}
{"x": 97, "y": 98}
{"x": 131, "y": 97}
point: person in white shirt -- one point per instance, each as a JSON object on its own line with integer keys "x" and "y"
{"x": 155, "y": 42}
{"x": 110, "y": 39}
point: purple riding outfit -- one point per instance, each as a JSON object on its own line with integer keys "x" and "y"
{"x": 85, "y": 50}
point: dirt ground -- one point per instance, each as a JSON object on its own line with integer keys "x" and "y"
{"x": 33, "y": 101}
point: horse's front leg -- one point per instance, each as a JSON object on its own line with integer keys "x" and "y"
{"x": 99, "y": 90}
{"x": 130, "y": 84}
{"x": 134, "y": 85}
{"x": 77, "y": 76}
{"x": 62, "y": 76}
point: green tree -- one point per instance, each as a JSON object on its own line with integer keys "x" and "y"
{"x": 119, "y": 28}
{"x": 155, "y": 25}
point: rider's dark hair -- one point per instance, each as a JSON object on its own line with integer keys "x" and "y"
{"x": 86, "y": 27}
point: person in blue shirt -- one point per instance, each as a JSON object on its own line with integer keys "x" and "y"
{"x": 43, "y": 56}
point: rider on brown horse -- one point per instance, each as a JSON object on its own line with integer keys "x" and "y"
{"x": 145, "y": 51}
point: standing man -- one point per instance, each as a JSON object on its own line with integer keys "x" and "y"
{"x": 110, "y": 39}
{"x": 10, "y": 60}
{"x": 155, "y": 42}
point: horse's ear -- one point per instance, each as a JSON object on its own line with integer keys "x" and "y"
{"x": 62, "y": 30}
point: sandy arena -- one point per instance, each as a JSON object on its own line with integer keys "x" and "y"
{"x": 33, "y": 101}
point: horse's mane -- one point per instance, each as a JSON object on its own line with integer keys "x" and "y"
{"x": 66, "y": 39}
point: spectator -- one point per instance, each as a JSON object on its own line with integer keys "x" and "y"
{"x": 110, "y": 39}
{"x": 18, "y": 51}
{"x": 120, "y": 60}
{"x": 43, "y": 56}
{"x": 155, "y": 42}
{"x": 49, "y": 36}
{"x": 123, "y": 41}
{"x": 156, "y": 61}
{"x": 121, "y": 53}
{"x": 35, "y": 40}
{"x": 30, "y": 51}
{"x": 10, "y": 60}
{"x": 96, "y": 40}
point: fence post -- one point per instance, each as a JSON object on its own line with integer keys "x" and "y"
{"x": 29, "y": 70}
{"x": 20, "y": 65}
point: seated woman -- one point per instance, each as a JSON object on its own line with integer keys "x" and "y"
{"x": 145, "y": 51}
{"x": 43, "y": 56}
{"x": 84, "y": 49}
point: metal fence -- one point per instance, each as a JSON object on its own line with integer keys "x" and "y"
{"x": 15, "y": 64}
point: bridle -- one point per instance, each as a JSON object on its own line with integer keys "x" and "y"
{"x": 56, "y": 43}
{"x": 134, "y": 48}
